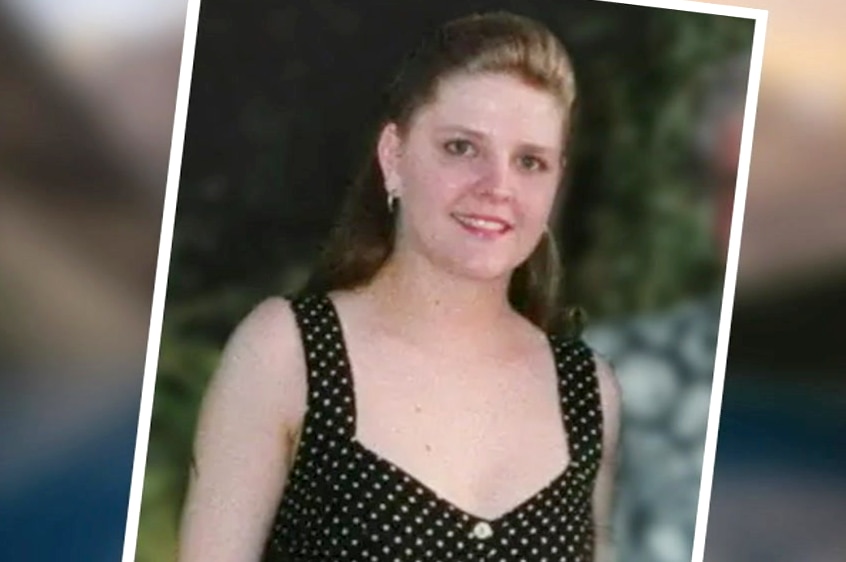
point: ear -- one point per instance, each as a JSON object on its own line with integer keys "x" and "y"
{"x": 388, "y": 149}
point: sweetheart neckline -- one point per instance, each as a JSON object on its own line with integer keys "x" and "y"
{"x": 450, "y": 505}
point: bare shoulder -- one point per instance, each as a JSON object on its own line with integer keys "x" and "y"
{"x": 254, "y": 404}
{"x": 268, "y": 331}
{"x": 610, "y": 395}
{"x": 263, "y": 361}
{"x": 609, "y": 386}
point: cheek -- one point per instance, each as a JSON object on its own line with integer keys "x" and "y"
{"x": 433, "y": 183}
{"x": 537, "y": 204}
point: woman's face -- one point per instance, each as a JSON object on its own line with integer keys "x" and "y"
{"x": 476, "y": 173}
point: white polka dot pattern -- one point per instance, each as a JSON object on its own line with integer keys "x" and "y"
{"x": 343, "y": 502}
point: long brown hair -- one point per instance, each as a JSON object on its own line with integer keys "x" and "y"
{"x": 499, "y": 42}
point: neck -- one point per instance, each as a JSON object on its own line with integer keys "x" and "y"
{"x": 421, "y": 303}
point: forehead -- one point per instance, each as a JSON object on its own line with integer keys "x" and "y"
{"x": 496, "y": 104}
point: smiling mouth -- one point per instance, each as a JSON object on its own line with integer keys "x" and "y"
{"x": 483, "y": 225}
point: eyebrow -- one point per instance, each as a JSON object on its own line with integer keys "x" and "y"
{"x": 479, "y": 135}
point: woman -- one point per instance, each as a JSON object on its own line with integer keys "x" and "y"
{"x": 416, "y": 407}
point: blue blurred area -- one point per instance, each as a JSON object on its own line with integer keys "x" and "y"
{"x": 779, "y": 490}
{"x": 68, "y": 502}
{"x": 781, "y": 424}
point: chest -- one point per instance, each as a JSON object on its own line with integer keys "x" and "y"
{"x": 444, "y": 458}
{"x": 484, "y": 432}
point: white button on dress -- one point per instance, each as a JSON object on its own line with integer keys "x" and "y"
{"x": 482, "y": 530}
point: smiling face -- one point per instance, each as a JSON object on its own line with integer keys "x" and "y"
{"x": 476, "y": 173}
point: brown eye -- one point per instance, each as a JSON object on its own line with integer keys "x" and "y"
{"x": 532, "y": 163}
{"x": 459, "y": 147}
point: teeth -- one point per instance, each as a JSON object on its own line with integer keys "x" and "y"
{"x": 482, "y": 223}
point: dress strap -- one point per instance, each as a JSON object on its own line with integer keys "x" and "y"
{"x": 580, "y": 402}
{"x": 330, "y": 396}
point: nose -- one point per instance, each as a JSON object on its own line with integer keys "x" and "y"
{"x": 495, "y": 181}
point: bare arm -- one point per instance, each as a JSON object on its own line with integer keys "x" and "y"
{"x": 609, "y": 390}
{"x": 250, "y": 413}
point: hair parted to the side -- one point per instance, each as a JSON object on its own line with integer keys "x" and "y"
{"x": 498, "y": 42}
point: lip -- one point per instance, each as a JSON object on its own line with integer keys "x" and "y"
{"x": 483, "y": 226}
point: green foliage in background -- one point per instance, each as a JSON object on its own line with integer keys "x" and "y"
{"x": 638, "y": 215}
{"x": 649, "y": 227}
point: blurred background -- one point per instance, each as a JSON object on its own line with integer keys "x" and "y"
{"x": 87, "y": 92}
{"x": 280, "y": 106}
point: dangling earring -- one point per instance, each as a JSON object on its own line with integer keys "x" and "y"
{"x": 392, "y": 200}
{"x": 392, "y": 189}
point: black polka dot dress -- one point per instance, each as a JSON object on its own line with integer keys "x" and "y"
{"x": 343, "y": 502}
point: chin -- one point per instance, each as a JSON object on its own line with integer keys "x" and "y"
{"x": 472, "y": 261}
{"x": 482, "y": 270}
